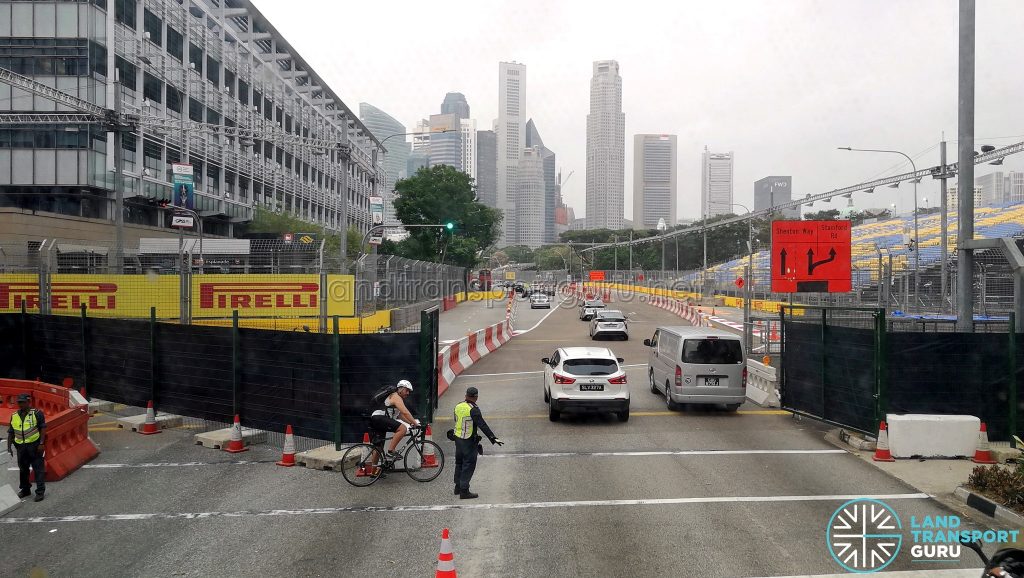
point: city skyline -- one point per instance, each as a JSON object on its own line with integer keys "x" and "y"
{"x": 606, "y": 148}
{"x": 820, "y": 100}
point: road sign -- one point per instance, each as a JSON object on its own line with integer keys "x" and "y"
{"x": 184, "y": 221}
{"x": 739, "y": 282}
{"x": 811, "y": 257}
{"x": 376, "y": 237}
{"x": 376, "y": 210}
{"x": 510, "y": 275}
{"x": 597, "y": 275}
{"x": 306, "y": 239}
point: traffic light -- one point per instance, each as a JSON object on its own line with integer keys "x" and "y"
{"x": 450, "y": 226}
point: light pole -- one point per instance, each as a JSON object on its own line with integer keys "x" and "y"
{"x": 917, "y": 239}
{"x": 748, "y": 340}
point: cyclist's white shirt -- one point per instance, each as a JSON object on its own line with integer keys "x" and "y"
{"x": 390, "y": 411}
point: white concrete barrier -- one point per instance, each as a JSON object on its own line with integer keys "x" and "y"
{"x": 930, "y": 436}
{"x": 762, "y": 384}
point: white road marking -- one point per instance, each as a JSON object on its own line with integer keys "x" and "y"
{"x": 167, "y": 465}
{"x": 542, "y": 319}
{"x": 449, "y": 507}
{"x": 667, "y": 453}
{"x": 529, "y": 372}
{"x": 961, "y": 573}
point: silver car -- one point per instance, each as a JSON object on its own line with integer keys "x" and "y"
{"x": 609, "y": 323}
{"x": 585, "y": 380}
{"x": 540, "y": 301}
{"x": 589, "y": 307}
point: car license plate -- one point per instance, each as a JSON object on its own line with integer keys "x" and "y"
{"x": 712, "y": 381}
{"x": 591, "y": 387}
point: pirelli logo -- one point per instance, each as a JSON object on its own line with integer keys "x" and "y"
{"x": 276, "y": 295}
{"x": 63, "y": 296}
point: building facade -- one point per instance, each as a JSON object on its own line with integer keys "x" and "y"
{"x": 396, "y": 158}
{"x": 468, "y": 146}
{"x": 486, "y": 167}
{"x": 552, "y": 193}
{"x": 716, "y": 183}
{"x": 992, "y": 185}
{"x": 655, "y": 178}
{"x": 1014, "y": 187}
{"x": 530, "y": 220}
{"x": 445, "y": 141}
{"x": 953, "y": 198}
{"x": 215, "y": 86}
{"x": 455, "y": 103}
{"x": 510, "y": 128}
{"x": 773, "y": 191}
{"x": 606, "y": 148}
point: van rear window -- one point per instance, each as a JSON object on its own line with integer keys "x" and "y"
{"x": 712, "y": 351}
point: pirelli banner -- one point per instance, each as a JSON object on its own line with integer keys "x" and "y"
{"x": 212, "y": 296}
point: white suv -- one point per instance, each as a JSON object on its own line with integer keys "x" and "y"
{"x": 609, "y": 323}
{"x": 585, "y": 380}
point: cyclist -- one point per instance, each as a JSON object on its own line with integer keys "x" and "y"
{"x": 392, "y": 415}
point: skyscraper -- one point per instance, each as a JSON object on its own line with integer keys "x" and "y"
{"x": 396, "y": 159}
{"x": 445, "y": 141}
{"x": 654, "y": 180}
{"x": 773, "y": 191}
{"x": 530, "y": 222}
{"x": 510, "y": 127}
{"x": 455, "y": 103}
{"x": 486, "y": 161}
{"x": 551, "y": 190}
{"x": 467, "y": 128}
{"x": 716, "y": 183}
{"x": 993, "y": 187}
{"x": 606, "y": 148}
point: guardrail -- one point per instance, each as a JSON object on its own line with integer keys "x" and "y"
{"x": 762, "y": 384}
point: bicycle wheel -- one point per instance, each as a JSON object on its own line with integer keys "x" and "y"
{"x": 424, "y": 461}
{"x": 357, "y": 467}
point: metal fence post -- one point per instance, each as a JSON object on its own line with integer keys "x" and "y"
{"x": 234, "y": 362}
{"x": 85, "y": 351}
{"x": 324, "y": 296}
{"x": 26, "y": 365}
{"x": 1012, "y": 383}
{"x": 336, "y": 375}
{"x": 152, "y": 356}
{"x": 824, "y": 362}
{"x": 881, "y": 366}
{"x": 782, "y": 352}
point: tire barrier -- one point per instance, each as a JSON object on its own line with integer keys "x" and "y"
{"x": 67, "y": 441}
{"x": 460, "y": 355}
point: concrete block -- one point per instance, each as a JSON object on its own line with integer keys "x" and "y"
{"x": 163, "y": 421}
{"x": 100, "y": 406}
{"x": 218, "y": 439}
{"x": 321, "y": 458}
{"x": 9, "y": 500}
{"x": 928, "y": 436}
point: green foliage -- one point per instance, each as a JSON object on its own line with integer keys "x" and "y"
{"x": 436, "y": 196}
{"x": 1003, "y": 484}
{"x": 856, "y": 218}
{"x": 279, "y": 223}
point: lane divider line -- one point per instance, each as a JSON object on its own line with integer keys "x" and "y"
{"x": 668, "y": 453}
{"x": 450, "y": 507}
{"x": 168, "y": 465}
{"x": 639, "y": 414}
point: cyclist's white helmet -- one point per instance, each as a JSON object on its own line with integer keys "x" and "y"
{"x": 405, "y": 383}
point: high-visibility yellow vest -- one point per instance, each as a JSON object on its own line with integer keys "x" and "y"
{"x": 463, "y": 421}
{"x": 26, "y": 430}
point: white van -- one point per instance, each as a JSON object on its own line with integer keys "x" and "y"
{"x": 697, "y": 365}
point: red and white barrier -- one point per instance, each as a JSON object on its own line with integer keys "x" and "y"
{"x": 460, "y": 355}
{"x": 694, "y": 315}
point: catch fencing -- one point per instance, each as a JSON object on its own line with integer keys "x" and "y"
{"x": 851, "y": 366}
{"x": 318, "y": 383}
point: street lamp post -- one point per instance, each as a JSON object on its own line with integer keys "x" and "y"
{"x": 917, "y": 239}
{"x": 748, "y": 336}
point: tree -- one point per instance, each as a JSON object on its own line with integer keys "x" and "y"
{"x": 826, "y": 215}
{"x": 439, "y": 195}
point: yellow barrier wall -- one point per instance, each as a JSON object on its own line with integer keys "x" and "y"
{"x": 370, "y": 323}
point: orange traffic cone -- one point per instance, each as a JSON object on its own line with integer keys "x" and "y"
{"x": 235, "y": 444}
{"x": 363, "y": 470}
{"x": 882, "y": 453}
{"x": 429, "y": 459}
{"x": 445, "y": 558}
{"x": 288, "y": 455}
{"x": 982, "y": 454}
{"x": 149, "y": 427}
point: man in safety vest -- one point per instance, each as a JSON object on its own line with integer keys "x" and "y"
{"x": 468, "y": 420}
{"x": 27, "y": 433}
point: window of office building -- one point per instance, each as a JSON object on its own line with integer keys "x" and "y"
{"x": 154, "y": 26}
{"x": 175, "y": 44}
{"x": 229, "y": 81}
{"x": 243, "y": 92}
{"x": 152, "y": 88}
{"x": 127, "y": 73}
{"x": 213, "y": 71}
{"x": 195, "y": 57}
{"x": 195, "y": 110}
{"x": 98, "y": 59}
{"x": 174, "y": 99}
{"x": 124, "y": 11}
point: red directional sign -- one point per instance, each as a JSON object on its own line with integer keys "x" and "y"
{"x": 739, "y": 282}
{"x": 811, "y": 257}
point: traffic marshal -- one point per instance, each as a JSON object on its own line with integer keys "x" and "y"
{"x": 811, "y": 257}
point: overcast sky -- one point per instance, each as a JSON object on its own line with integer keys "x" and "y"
{"x": 781, "y": 83}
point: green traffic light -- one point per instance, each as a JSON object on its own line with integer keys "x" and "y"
{"x": 450, "y": 225}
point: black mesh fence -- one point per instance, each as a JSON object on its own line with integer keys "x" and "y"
{"x": 320, "y": 384}
{"x": 847, "y": 367}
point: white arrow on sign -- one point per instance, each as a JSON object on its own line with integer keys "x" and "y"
{"x": 182, "y": 221}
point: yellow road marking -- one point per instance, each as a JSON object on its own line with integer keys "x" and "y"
{"x": 106, "y": 428}
{"x": 632, "y": 413}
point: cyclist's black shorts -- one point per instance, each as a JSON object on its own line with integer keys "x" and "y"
{"x": 383, "y": 423}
